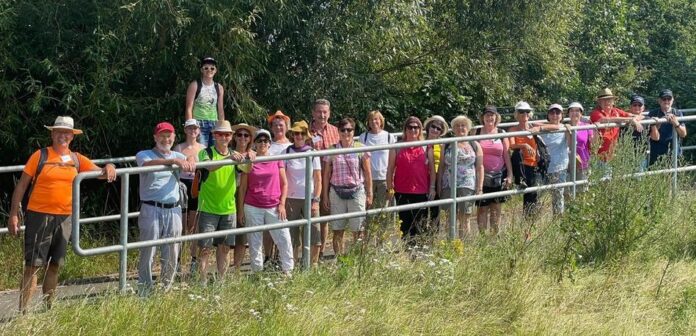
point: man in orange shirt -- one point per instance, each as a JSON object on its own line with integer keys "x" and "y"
{"x": 47, "y": 220}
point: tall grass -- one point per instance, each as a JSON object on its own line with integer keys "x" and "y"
{"x": 620, "y": 261}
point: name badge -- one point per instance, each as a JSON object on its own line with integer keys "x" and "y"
{"x": 65, "y": 158}
{"x": 316, "y": 139}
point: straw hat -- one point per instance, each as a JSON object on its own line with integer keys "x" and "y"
{"x": 247, "y": 127}
{"x": 222, "y": 126}
{"x": 301, "y": 127}
{"x": 445, "y": 127}
{"x": 66, "y": 123}
{"x": 605, "y": 94}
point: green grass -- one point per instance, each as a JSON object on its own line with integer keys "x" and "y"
{"x": 630, "y": 272}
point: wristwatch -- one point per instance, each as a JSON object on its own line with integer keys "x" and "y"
{"x": 316, "y": 199}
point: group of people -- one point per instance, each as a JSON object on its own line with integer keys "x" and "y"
{"x": 245, "y": 194}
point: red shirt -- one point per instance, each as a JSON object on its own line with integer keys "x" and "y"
{"x": 324, "y": 138}
{"x": 609, "y": 135}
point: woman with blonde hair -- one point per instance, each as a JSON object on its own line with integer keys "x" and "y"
{"x": 379, "y": 160}
{"x": 468, "y": 176}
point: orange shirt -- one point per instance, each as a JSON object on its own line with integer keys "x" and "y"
{"x": 52, "y": 192}
{"x": 527, "y": 158}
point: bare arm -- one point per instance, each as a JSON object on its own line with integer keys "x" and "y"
{"x": 655, "y": 131}
{"x": 283, "y": 194}
{"x": 506, "y": 158}
{"x": 241, "y": 193}
{"x": 221, "y": 103}
{"x": 190, "y": 96}
{"x": 17, "y": 195}
{"x": 431, "y": 172}
{"x": 390, "y": 173}
{"x": 368, "y": 180}
{"x": 328, "y": 167}
{"x": 316, "y": 177}
{"x": 108, "y": 172}
{"x": 479, "y": 169}
{"x": 188, "y": 165}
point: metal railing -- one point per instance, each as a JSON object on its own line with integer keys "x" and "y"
{"x": 124, "y": 246}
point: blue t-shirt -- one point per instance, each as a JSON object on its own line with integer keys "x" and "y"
{"x": 662, "y": 146}
{"x": 557, "y": 144}
{"x": 162, "y": 187}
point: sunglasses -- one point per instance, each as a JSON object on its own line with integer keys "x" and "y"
{"x": 413, "y": 127}
{"x": 437, "y": 128}
{"x": 263, "y": 141}
{"x": 242, "y": 135}
{"x": 224, "y": 135}
{"x": 211, "y": 68}
{"x": 555, "y": 111}
{"x": 346, "y": 130}
{"x": 666, "y": 98}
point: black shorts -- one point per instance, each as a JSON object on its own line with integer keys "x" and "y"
{"x": 46, "y": 238}
{"x": 489, "y": 201}
{"x": 192, "y": 202}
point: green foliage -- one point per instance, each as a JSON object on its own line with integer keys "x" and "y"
{"x": 618, "y": 216}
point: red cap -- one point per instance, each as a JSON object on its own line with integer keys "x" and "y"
{"x": 164, "y": 127}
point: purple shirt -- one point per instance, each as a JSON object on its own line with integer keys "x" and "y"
{"x": 263, "y": 184}
{"x": 583, "y": 145}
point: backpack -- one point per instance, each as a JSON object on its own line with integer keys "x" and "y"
{"x": 43, "y": 156}
{"x": 199, "y": 84}
{"x": 543, "y": 156}
{"x": 201, "y": 175}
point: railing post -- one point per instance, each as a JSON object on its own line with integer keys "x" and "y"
{"x": 573, "y": 160}
{"x": 307, "y": 246}
{"x": 675, "y": 159}
{"x": 453, "y": 189}
{"x": 123, "y": 264}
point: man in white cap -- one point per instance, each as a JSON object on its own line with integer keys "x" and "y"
{"x": 49, "y": 174}
{"x": 216, "y": 200}
{"x": 160, "y": 208}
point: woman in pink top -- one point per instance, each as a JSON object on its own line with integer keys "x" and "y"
{"x": 409, "y": 179}
{"x": 497, "y": 170}
{"x": 262, "y": 193}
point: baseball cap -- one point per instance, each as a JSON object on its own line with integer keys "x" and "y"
{"x": 666, "y": 93}
{"x": 555, "y": 106}
{"x": 191, "y": 122}
{"x": 637, "y": 99}
{"x": 164, "y": 127}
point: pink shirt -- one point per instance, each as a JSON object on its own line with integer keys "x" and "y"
{"x": 346, "y": 168}
{"x": 263, "y": 184}
{"x": 411, "y": 174}
{"x": 492, "y": 155}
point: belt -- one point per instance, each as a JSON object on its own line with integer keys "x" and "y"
{"x": 160, "y": 205}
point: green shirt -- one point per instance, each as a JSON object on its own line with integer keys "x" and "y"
{"x": 217, "y": 192}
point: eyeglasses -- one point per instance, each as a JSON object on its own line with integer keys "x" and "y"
{"x": 224, "y": 135}
{"x": 439, "y": 129}
{"x": 555, "y": 111}
{"x": 413, "y": 127}
{"x": 666, "y": 98}
{"x": 211, "y": 68}
{"x": 263, "y": 141}
{"x": 242, "y": 135}
{"x": 346, "y": 130}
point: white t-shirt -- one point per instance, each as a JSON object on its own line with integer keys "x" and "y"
{"x": 278, "y": 148}
{"x": 379, "y": 160}
{"x": 295, "y": 172}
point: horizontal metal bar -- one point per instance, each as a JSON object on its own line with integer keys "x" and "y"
{"x": 7, "y": 230}
{"x": 19, "y": 168}
{"x": 321, "y": 219}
